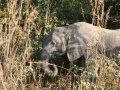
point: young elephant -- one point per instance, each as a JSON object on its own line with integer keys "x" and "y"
{"x": 77, "y": 40}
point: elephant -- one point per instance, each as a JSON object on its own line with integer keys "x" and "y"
{"x": 76, "y": 40}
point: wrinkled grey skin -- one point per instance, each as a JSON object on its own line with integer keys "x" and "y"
{"x": 79, "y": 39}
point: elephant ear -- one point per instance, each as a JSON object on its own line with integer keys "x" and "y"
{"x": 76, "y": 48}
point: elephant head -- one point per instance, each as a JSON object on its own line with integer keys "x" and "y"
{"x": 54, "y": 44}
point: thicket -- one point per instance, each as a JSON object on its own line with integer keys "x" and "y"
{"x": 24, "y": 24}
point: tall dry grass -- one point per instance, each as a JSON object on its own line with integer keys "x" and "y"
{"x": 15, "y": 43}
{"x": 100, "y": 16}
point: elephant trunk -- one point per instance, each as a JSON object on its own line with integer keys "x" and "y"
{"x": 45, "y": 56}
{"x": 49, "y": 69}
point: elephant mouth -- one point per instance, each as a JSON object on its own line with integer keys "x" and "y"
{"x": 59, "y": 53}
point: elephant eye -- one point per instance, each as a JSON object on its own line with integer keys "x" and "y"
{"x": 52, "y": 42}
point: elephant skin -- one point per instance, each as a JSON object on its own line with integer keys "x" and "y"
{"x": 79, "y": 39}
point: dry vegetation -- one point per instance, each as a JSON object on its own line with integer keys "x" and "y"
{"x": 18, "y": 72}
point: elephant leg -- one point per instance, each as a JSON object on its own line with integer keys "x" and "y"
{"x": 81, "y": 61}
